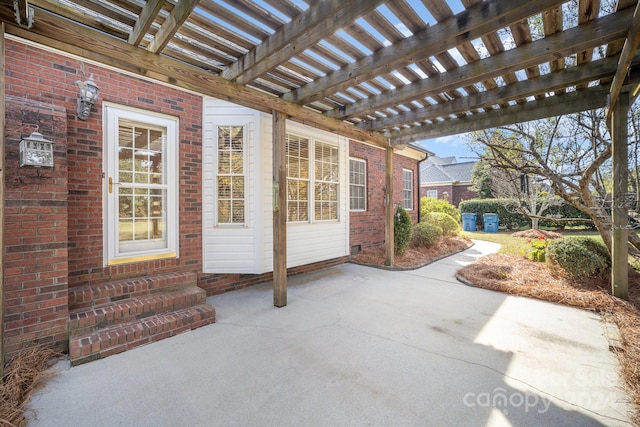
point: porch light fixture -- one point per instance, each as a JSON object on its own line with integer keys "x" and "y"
{"x": 87, "y": 97}
{"x": 35, "y": 150}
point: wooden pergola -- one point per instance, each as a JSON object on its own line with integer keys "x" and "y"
{"x": 386, "y": 72}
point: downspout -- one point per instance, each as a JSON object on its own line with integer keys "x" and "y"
{"x": 426, "y": 156}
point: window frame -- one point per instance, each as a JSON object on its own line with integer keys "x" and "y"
{"x": 432, "y": 191}
{"x": 311, "y": 180}
{"x": 217, "y": 175}
{"x": 317, "y": 163}
{"x": 363, "y": 185}
{"x": 113, "y": 115}
{"x": 407, "y": 190}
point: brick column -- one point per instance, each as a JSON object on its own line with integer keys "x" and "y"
{"x": 35, "y": 257}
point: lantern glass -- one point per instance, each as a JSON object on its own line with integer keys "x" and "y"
{"x": 36, "y": 151}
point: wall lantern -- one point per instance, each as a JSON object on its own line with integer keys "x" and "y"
{"x": 35, "y": 150}
{"x": 87, "y": 97}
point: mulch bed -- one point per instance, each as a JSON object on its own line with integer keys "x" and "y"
{"x": 414, "y": 256}
{"x": 534, "y": 234}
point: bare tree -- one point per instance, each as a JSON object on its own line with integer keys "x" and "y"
{"x": 533, "y": 194}
{"x": 571, "y": 152}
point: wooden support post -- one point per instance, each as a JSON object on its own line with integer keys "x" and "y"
{"x": 2, "y": 113}
{"x": 279, "y": 209}
{"x": 620, "y": 211}
{"x": 388, "y": 209}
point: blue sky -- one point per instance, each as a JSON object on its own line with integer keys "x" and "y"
{"x": 446, "y": 146}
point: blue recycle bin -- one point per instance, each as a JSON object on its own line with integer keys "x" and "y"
{"x": 469, "y": 222}
{"x": 490, "y": 222}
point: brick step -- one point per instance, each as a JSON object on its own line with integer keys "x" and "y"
{"x": 86, "y": 320}
{"x": 123, "y": 337}
{"x": 105, "y": 293}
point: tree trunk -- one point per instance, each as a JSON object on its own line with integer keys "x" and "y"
{"x": 535, "y": 223}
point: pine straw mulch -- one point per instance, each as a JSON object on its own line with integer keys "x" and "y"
{"x": 414, "y": 256}
{"x": 523, "y": 277}
{"x": 26, "y": 373}
{"x": 534, "y": 234}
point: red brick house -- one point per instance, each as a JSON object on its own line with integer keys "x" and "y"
{"x": 160, "y": 198}
{"x": 446, "y": 179}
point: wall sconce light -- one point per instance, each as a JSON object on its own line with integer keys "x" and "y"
{"x": 87, "y": 97}
{"x": 35, "y": 150}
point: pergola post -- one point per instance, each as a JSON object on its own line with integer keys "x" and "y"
{"x": 620, "y": 210}
{"x": 388, "y": 209}
{"x": 279, "y": 209}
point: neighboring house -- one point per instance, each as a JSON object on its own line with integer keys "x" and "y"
{"x": 444, "y": 178}
{"x": 160, "y": 198}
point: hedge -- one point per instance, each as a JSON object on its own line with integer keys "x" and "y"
{"x": 510, "y": 218}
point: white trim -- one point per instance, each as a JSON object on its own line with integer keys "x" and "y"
{"x": 413, "y": 190}
{"x": 111, "y": 114}
{"x": 356, "y": 159}
{"x": 245, "y": 173}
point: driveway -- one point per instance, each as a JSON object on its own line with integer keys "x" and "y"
{"x": 358, "y": 346}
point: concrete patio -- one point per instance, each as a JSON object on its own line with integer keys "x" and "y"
{"x": 358, "y": 346}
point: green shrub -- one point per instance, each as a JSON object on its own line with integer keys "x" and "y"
{"x": 430, "y": 204}
{"x": 426, "y": 234}
{"x": 402, "y": 229}
{"x": 511, "y": 218}
{"x": 580, "y": 257}
{"x": 448, "y": 224}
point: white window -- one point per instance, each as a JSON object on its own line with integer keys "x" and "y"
{"x": 297, "y": 178}
{"x": 324, "y": 181}
{"x": 231, "y": 175}
{"x": 407, "y": 189}
{"x": 432, "y": 194}
{"x": 357, "y": 185}
{"x": 141, "y": 185}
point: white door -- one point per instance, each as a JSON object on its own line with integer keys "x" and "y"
{"x": 141, "y": 196}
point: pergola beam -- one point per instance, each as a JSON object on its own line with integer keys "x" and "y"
{"x": 626, "y": 56}
{"x": 571, "y": 41}
{"x": 469, "y": 24}
{"x": 64, "y": 35}
{"x": 531, "y": 87}
{"x": 573, "y": 102}
{"x": 176, "y": 18}
{"x": 314, "y": 24}
{"x": 23, "y": 15}
{"x": 147, "y": 16}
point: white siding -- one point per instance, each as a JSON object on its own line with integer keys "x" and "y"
{"x": 312, "y": 242}
{"x": 230, "y": 248}
{"x": 249, "y": 249}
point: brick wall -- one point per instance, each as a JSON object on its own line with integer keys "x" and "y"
{"x": 54, "y": 218}
{"x": 462, "y": 192}
{"x": 454, "y": 193}
{"x": 35, "y": 234}
{"x": 366, "y": 228}
{"x": 43, "y": 75}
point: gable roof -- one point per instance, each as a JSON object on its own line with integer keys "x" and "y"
{"x": 448, "y": 172}
{"x": 435, "y": 160}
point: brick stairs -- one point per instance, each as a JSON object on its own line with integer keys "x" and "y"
{"x": 117, "y": 316}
